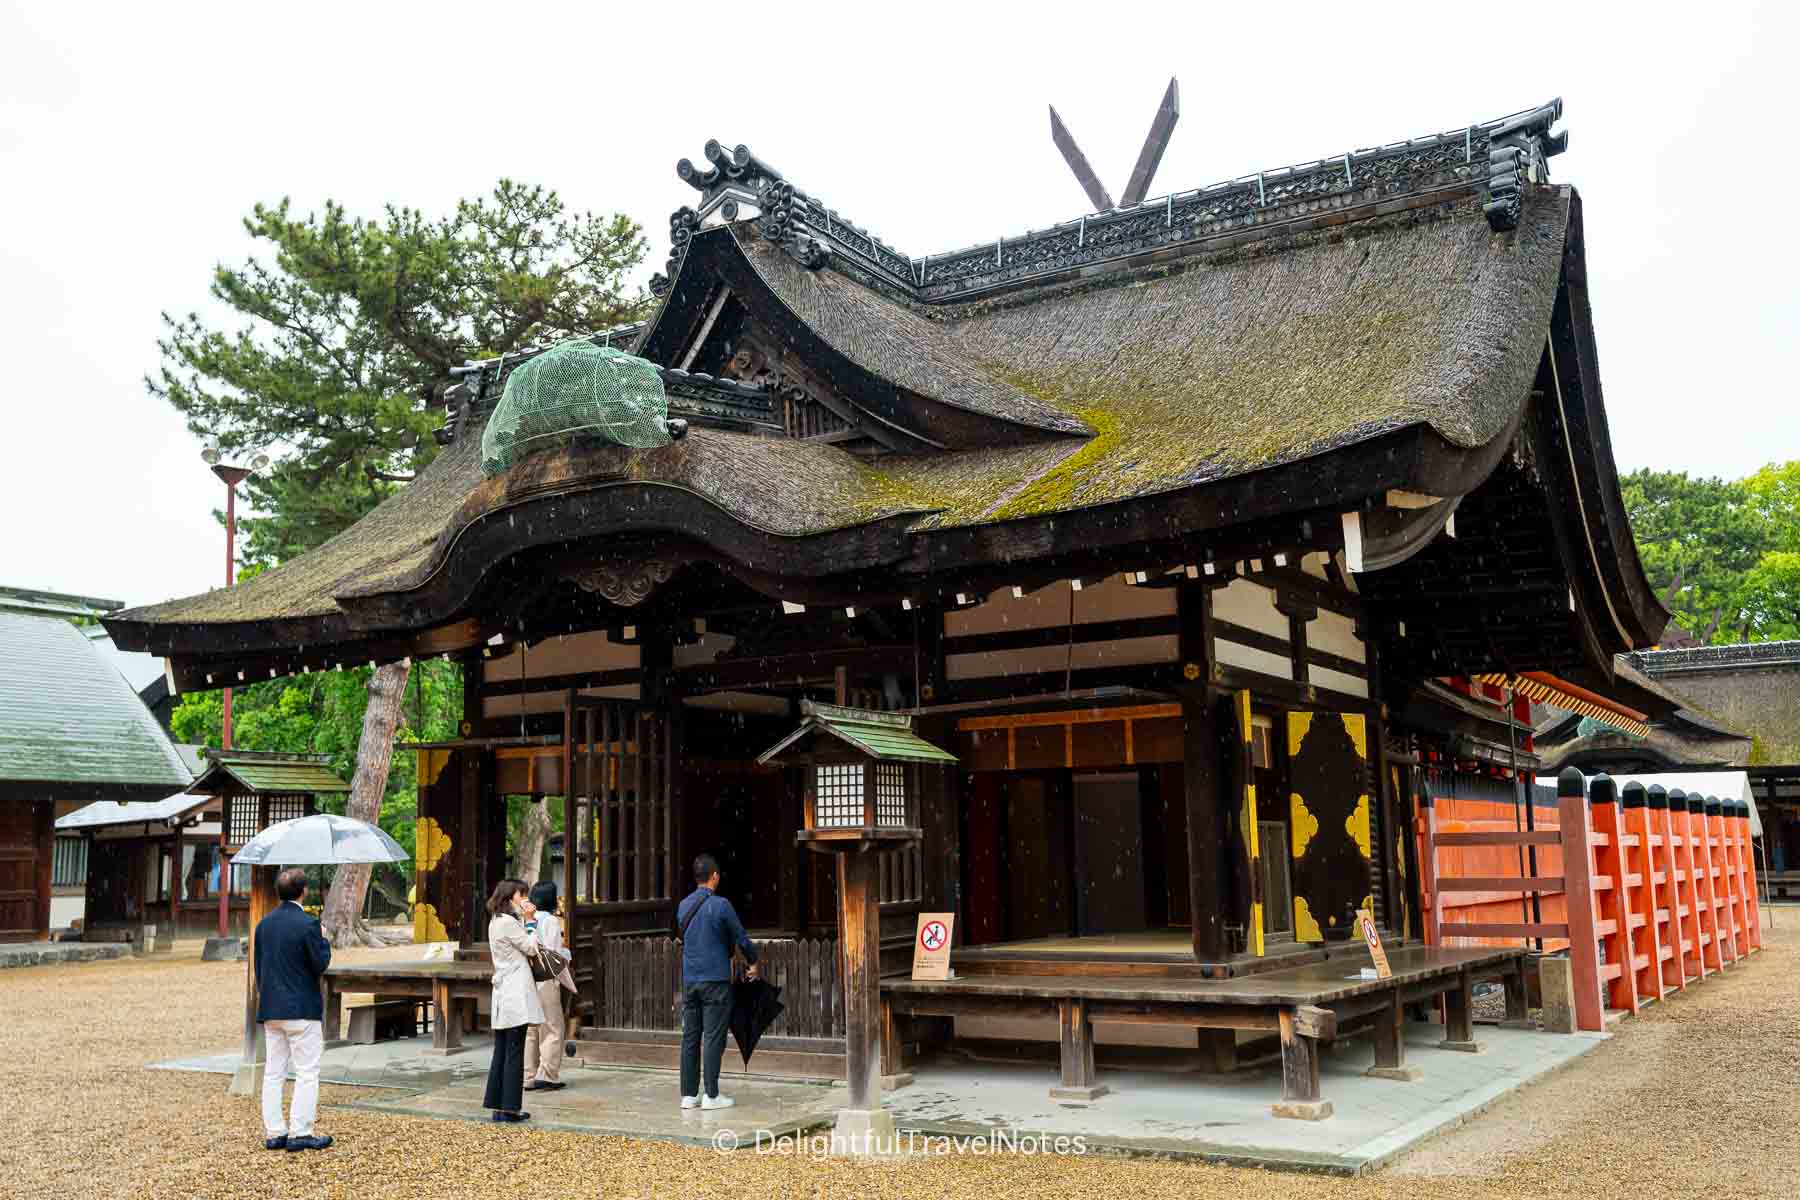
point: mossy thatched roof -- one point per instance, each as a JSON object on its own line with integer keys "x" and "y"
{"x": 1183, "y": 373}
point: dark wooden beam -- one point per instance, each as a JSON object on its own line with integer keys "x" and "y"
{"x": 1201, "y": 777}
{"x": 1057, "y": 635}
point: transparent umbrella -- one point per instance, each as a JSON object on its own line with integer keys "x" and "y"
{"x": 320, "y": 838}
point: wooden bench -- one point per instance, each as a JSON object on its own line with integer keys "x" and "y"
{"x": 1302, "y": 1006}
{"x": 455, "y": 990}
{"x": 382, "y": 1021}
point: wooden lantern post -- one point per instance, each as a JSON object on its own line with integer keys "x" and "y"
{"x": 859, "y": 802}
{"x": 247, "y": 1080}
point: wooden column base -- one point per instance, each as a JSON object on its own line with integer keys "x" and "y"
{"x": 1390, "y": 1045}
{"x": 1078, "y": 1082}
{"x": 1459, "y": 1014}
{"x": 1300, "y": 1098}
{"x": 446, "y": 1023}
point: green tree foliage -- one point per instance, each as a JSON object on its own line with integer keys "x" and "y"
{"x": 322, "y": 713}
{"x": 1723, "y": 555}
{"x": 345, "y": 332}
{"x": 352, "y": 328}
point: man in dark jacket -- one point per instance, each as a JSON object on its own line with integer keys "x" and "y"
{"x": 709, "y": 929}
{"x": 290, "y": 955}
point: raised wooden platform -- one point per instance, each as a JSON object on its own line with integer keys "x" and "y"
{"x": 1303, "y": 1005}
{"x": 1152, "y": 952}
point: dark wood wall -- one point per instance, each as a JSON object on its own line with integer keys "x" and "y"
{"x": 27, "y": 829}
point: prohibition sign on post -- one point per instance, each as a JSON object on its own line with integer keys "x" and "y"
{"x": 931, "y": 948}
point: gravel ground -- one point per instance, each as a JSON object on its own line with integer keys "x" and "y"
{"x": 1700, "y": 1096}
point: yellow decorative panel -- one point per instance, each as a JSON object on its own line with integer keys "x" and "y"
{"x": 1301, "y": 823}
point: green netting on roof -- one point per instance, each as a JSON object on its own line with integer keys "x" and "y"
{"x": 575, "y": 390}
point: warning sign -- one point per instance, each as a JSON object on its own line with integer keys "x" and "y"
{"x": 1365, "y": 923}
{"x": 931, "y": 948}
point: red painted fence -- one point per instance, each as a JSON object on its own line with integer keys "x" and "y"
{"x": 1650, "y": 891}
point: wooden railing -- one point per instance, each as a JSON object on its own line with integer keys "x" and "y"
{"x": 1659, "y": 890}
{"x": 639, "y": 977}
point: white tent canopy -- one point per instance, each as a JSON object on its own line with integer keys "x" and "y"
{"x": 1732, "y": 785}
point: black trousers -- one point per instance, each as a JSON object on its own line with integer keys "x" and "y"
{"x": 705, "y": 1016}
{"x": 506, "y": 1073}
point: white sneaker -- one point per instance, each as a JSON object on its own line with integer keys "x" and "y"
{"x": 690, "y": 1102}
{"x": 717, "y": 1102}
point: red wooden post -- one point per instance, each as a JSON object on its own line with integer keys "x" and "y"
{"x": 1578, "y": 887}
{"x": 1430, "y": 915}
{"x": 1667, "y": 876}
{"x": 1700, "y": 840}
{"x": 1693, "y": 924}
{"x": 1752, "y": 907}
{"x": 1640, "y": 860}
{"x": 1609, "y": 881}
{"x": 1725, "y": 884}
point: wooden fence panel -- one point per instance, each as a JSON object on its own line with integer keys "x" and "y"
{"x": 641, "y": 976}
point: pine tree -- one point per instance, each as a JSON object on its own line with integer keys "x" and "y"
{"x": 340, "y": 366}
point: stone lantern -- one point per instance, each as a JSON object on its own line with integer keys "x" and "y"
{"x": 861, "y": 798}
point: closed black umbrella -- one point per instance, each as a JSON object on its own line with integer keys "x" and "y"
{"x": 755, "y": 1004}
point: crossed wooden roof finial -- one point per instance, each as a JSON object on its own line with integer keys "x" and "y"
{"x": 1149, "y": 158}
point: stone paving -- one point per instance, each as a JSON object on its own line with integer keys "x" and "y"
{"x": 1208, "y": 1117}
{"x": 38, "y": 954}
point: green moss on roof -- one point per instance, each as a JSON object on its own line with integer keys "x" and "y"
{"x": 1186, "y": 373}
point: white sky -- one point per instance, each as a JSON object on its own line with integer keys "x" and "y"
{"x": 134, "y": 138}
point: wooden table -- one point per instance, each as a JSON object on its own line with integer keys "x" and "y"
{"x": 449, "y": 986}
{"x": 1304, "y": 1005}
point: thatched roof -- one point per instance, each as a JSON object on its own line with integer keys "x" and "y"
{"x": 1188, "y": 372}
{"x": 1250, "y": 351}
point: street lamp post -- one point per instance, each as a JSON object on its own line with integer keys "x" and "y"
{"x": 232, "y": 477}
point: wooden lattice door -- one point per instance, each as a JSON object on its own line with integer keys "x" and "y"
{"x": 625, "y": 841}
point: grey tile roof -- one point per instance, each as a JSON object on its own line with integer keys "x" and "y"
{"x": 68, "y": 716}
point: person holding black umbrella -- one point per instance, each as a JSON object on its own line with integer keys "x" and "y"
{"x": 709, "y": 928}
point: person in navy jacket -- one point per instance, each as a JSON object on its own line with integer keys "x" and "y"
{"x": 290, "y": 956}
{"x": 709, "y": 930}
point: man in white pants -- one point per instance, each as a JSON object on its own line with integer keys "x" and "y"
{"x": 290, "y": 955}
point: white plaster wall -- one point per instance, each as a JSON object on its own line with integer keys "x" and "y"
{"x": 1122, "y": 653}
{"x": 1336, "y": 633}
{"x": 1251, "y": 605}
{"x": 1111, "y": 599}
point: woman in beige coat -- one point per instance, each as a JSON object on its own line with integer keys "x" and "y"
{"x": 515, "y": 1005}
{"x": 544, "y": 1043}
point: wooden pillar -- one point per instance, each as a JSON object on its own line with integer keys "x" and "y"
{"x": 860, "y": 918}
{"x": 572, "y": 732}
{"x": 1459, "y": 1016}
{"x": 1747, "y": 865}
{"x": 1666, "y": 866}
{"x": 1430, "y": 908}
{"x": 1723, "y": 885}
{"x": 1700, "y": 838}
{"x": 1390, "y": 1043}
{"x": 1077, "y": 1054}
{"x": 175, "y": 883}
{"x": 43, "y": 831}
{"x": 1576, "y": 826}
{"x": 1640, "y": 904}
{"x": 1205, "y": 824}
{"x": 1301, "y": 1029}
{"x": 247, "y": 1081}
{"x": 1688, "y": 881}
{"x": 468, "y": 835}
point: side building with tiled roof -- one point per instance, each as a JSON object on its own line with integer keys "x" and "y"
{"x": 72, "y": 731}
